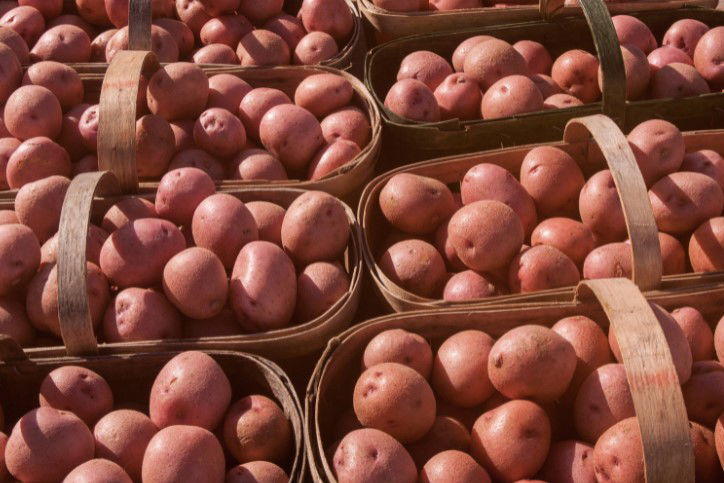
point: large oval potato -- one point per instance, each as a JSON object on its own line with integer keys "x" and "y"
{"x": 413, "y": 99}
{"x": 469, "y": 285}
{"x": 425, "y": 66}
{"x": 416, "y": 204}
{"x": 194, "y": 280}
{"x": 122, "y": 437}
{"x": 600, "y": 208}
{"x": 510, "y": 96}
{"x": 348, "y": 123}
{"x": 291, "y": 134}
{"x": 63, "y": 43}
{"x": 155, "y": 146}
{"x": 322, "y": 94}
{"x": 659, "y": 149}
{"x": 19, "y": 256}
{"x": 262, "y": 48}
{"x": 707, "y": 58}
{"x": 38, "y": 205}
{"x": 141, "y": 314}
{"x": 127, "y": 210}
{"x": 219, "y": 132}
{"x": 178, "y": 91}
{"x": 354, "y": 458}
{"x": 180, "y": 192}
{"x": 257, "y": 471}
{"x": 314, "y": 48}
{"x": 489, "y": 61}
{"x": 36, "y": 159}
{"x": 704, "y": 392}
{"x": 575, "y": 72}
{"x": 684, "y": 35}
{"x": 631, "y": 30}
{"x": 604, "y": 398}
{"x": 330, "y": 16}
{"x": 453, "y": 465}
{"x": 416, "y": 266}
{"x": 682, "y": 201}
{"x": 32, "y": 111}
{"x": 79, "y": 390}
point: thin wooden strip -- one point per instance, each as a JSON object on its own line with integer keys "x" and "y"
{"x": 640, "y": 222}
{"x": 659, "y": 404}
{"x": 139, "y": 25}
{"x": 76, "y": 326}
{"x": 117, "y": 121}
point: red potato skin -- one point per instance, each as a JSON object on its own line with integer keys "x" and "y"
{"x": 401, "y": 346}
{"x": 682, "y": 201}
{"x": 175, "y": 81}
{"x": 137, "y": 314}
{"x": 331, "y": 16}
{"x": 425, "y": 66}
{"x": 38, "y": 205}
{"x": 414, "y": 100}
{"x": 600, "y": 208}
{"x": 322, "y": 94}
{"x": 256, "y": 429}
{"x": 11, "y": 73}
{"x": 446, "y": 434}
{"x": 469, "y": 285}
{"x": 631, "y": 30}
{"x": 215, "y": 54}
{"x": 697, "y": 331}
{"x": 425, "y": 278}
{"x": 569, "y": 462}
{"x": 453, "y": 466}
{"x": 708, "y": 58}
{"x": 194, "y": 280}
{"x": 569, "y": 236}
{"x": 536, "y": 56}
{"x": 705, "y": 161}
{"x": 14, "y": 323}
{"x": 667, "y": 55}
{"x": 348, "y": 123}
{"x": 98, "y": 468}
{"x": 509, "y": 96}
{"x": 684, "y": 35}
{"x": 179, "y": 193}
{"x": 706, "y": 246}
{"x": 26, "y": 21}
{"x": 576, "y": 73}
{"x": 17, "y": 44}
{"x": 227, "y": 91}
{"x": 489, "y": 61}
{"x": 122, "y": 436}
{"x": 261, "y": 48}
{"x": 618, "y": 454}
{"x": 19, "y": 256}
{"x": 540, "y": 268}
{"x": 256, "y": 471}
{"x": 462, "y": 50}
{"x": 553, "y": 179}
{"x": 36, "y": 159}
{"x": 319, "y": 287}
{"x": 181, "y": 33}
{"x": 77, "y": 389}
{"x": 353, "y": 458}
{"x": 33, "y": 111}
{"x": 459, "y": 96}
{"x": 64, "y": 43}
{"x": 227, "y": 30}
{"x": 315, "y": 48}
{"x": 288, "y": 27}
{"x": 677, "y": 80}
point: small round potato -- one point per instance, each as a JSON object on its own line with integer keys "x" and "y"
{"x": 349, "y": 123}
{"x": 697, "y": 332}
{"x": 469, "y": 285}
{"x": 569, "y": 462}
{"x": 199, "y": 159}
{"x": 194, "y": 280}
{"x": 315, "y": 48}
{"x": 707, "y": 162}
{"x": 263, "y": 287}
{"x": 460, "y": 369}
{"x": 255, "y": 428}
{"x": 262, "y": 48}
{"x": 600, "y": 208}
{"x": 46, "y": 444}
{"x": 677, "y": 80}
{"x": 215, "y": 54}
{"x": 604, "y": 398}
{"x": 400, "y": 346}
{"x": 541, "y": 267}
{"x": 706, "y": 246}
{"x": 288, "y": 27}
{"x": 27, "y": 21}
{"x": 553, "y": 179}
{"x": 36, "y": 159}
{"x": 396, "y": 399}
{"x": 190, "y": 389}
{"x": 704, "y": 392}
{"x": 459, "y": 97}
{"x": 11, "y": 73}
{"x": 33, "y": 111}
{"x": 315, "y": 228}
{"x": 98, "y": 470}
{"x": 355, "y": 460}
{"x": 122, "y": 437}
{"x": 64, "y": 43}
{"x": 684, "y": 35}
{"x": 137, "y": 314}
{"x": 322, "y": 94}
{"x": 618, "y": 454}
{"x": 509, "y": 96}
{"x": 588, "y": 341}
{"x": 291, "y": 134}
{"x": 532, "y": 361}
{"x": 178, "y": 91}
{"x": 489, "y": 61}
{"x": 268, "y": 217}
{"x": 257, "y": 164}
{"x": 453, "y": 466}
{"x": 319, "y": 287}
{"x": 536, "y": 56}
{"x": 79, "y": 390}
{"x": 135, "y": 254}
{"x": 256, "y": 103}
{"x": 179, "y": 193}
{"x": 497, "y": 446}
{"x": 413, "y": 100}
{"x": 19, "y": 256}
{"x": 416, "y": 204}
{"x": 707, "y": 58}
{"x": 219, "y": 132}
{"x": 203, "y": 455}
{"x": 416, "y": 266}
{"x": 683, "y": 201}
{"x": 631, "y": 30}
{"x": 227, "y": 91}
{"x": 667, "y": 55}
{"x": 126, "y": 211}
{"x": 576, "y": 71}
{"x": 38, "y": 205}
{"x": 227, "y": 30}
{"x": 425, "y": 66}
{"x": 257, "y": 471}
{"x": 571, "y": 237}
{"x": 14, "y": 323}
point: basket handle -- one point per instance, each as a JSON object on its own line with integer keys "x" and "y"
{"x": 609, "y": 53}
{"x": 640, "y": 222}
{"x": 117, "y": 117}
{"x": 139, "y": 24}
{"x": 652, "y": 377}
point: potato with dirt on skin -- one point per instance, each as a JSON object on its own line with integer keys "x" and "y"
{"x": 469, "y": 285}
{"x": 541, "y": 267}
{"x": 589, "y": 343}
{"x": 425, "y": 66}
{"x": 331, "y": 16}
{"x": 315, "y": 48}
{"x": 532, "y": 361}
{"x": 15, "y": 324}
{"x": 697, "y": 332}
{"x": 226, "y": 29}
{"x": 571, "y": 237}
{"x": 460, "y": 369}
{"x": 33, "y": 111}
{"x": 416, "y": 266}
{"x": 458, "y": 97}
{"x": 19, "y": 256}
{"x": 268, "y": 217}
{"x": 178, "y": 91}
{"x": 684, "y": 35}
{"x": 569, "y": 462}
{"x": 507, "y": 457}
{"x": 575, "y": 71}
{"x": 664, "y": 56}
{"x": 262, "y": 471}
{"x": 263, "y": 287}
{"x": 322, "y": 94}
{"x": 348, "y": 123}
{"x": 704, "y": 392}
{"x": 122, "y": 436}
{"x": 63, "y": 43}
{"x": 400, "y": 346}
{"x": 682, "y": 201}
{"x": 136, "y": 314}
{"x": 553, "y": 179}
{"x": 291, "y": 134}
{"x": 46, "y": 444}
{"x": 354, "y": 458}
{"x": 219, "y": 132}
{"x": 706, "y": 246}
{"x": 319, "y": 286}
{"x": 38, "y": 205}
{"x": 677, "y": 80}
{"x": 510, "y": 96}
{"x": 98, "y": 470}
{"x": 412, "y": 99}
{"x": 708, "y": 58}
{"x": 486, "y": 235}
{"x": 631, "y": 30}
{"x": 179, "y": 193}
{"x": 255, "y": 428}
{"x": 416, "y": 204}
{"x": 79, "y": 390}
{"x": 203, "y": 461}
{"x": 491, "y": 60}
{"x": 315, "y": 228}
{"x": 396, "y": 399}
{"x": 705, "y": 161}
{"x": 453, "y": 466}
{"x": 262, "y": 48}
{"x": 600, "y": 208}
{"x": 194, "y": 280}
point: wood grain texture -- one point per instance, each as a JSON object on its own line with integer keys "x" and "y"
{"x": 76, "y": 326}
{"x": 650, "y": 371}
{"x": 632, "y": 192}
{"x": 139, "y": 25}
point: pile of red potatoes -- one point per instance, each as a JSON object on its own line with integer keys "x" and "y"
{"x": 550, "y": 227}
{"x": 537, "y": 404}
{"x": 245, "y": 32}
{"x": 488, "y": 78}
{"x": 189, "y": 430}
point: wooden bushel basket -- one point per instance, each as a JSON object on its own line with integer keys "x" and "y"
{"x": 658, "y": 401}
{"x": 91, "y": 194}
{"x": 577, "y": 141}
{"x": 408, "y": 141}
{"x": 131, "y": 377}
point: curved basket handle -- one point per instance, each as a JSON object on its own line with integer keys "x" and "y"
{"x": 139, "y": 24}
{"x": 609, "y": 53}
{"x": 640, "y": 222}
{"x": 650, "y": 371}
{"x": 74, "y": 314}
{"x": 117, "y": 117}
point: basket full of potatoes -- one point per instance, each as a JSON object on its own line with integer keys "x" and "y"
{"x": 540, "y": 394}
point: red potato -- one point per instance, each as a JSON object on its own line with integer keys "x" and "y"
{"x": 183, "y": 134}
{"x": 126, "y": 211}
{"x": 204, "y": 461}
{"x": 46, "y": 444}
{"x": 706, "y": 246}
{"x": 100, "y": 470}
{"x": 673, "y": 256}
{"x": 137, "y": 314}
{"x": 322, "y": 94}
{"x": 96, "y": 238}
{"x": 93, "y": 11}
{"x": 604, "y": 399}
{"x": 445, "y": 434}
{"x": 682, "y": 201}
{"x": 708, "y": 58}
{"x": 257, "y": 471}
{"x": 348, "y": 123}
{"x": 576, "y": 71}
{"x": 707, "y": 162}
{"x": 400, "y": 346}
{"x": 460, "y": 369}
{"x": 633, "y": 31}
{"x": 190, "y": 389}
{"x": 536, "y": 56}
{"x": 354, "y": 461}
{"x": 319, "y": 287}
{"x": 395, "y": 399}
{"x": 259, "y": 164}
{"x": 452, "y": 465}
{"x": 260, "y": 10}
{"x": 569, "y": 462}
{"x": 659, "y": 149}
{"x": 416, "y": 204}
{"x": 179, "y": 193}
{"x": 33, "y": 111}
{"x": 707, "y": 466}
{"x": 416, "y": 266}
{"x": 425, "y": 66}
{"x": 571, "y": 237}
{"x": 36, "y": 159}
{"x": 263, "y": 287}
{"x": 288, "y": 27}
{"x": 178, "y": 91}
{"x": 589, "y": 343}
{"x": 162, "y": 44}
{"x": 79, "y": 390}
{"x": 677, "y": 80}
{"x": 697, "y": 332}
{"x": 14, "y": 323}
{"x": 508, "y": 458}
{"x": 88, "y": 127}
{"x": 215, "y": 54}
{"x": 333, "y": 17}
{"x": 704, "y": 392}
{"x": 86, "y": 164}
{"x": 216, "y": 8}
{"x": 19, "y": 256}
{"x": 600, "y": 208}
{"x": 11, "y": 73}
{"x": 462, "y": 50}
{"x": 262, "y": 48}
{"x": 38, "y": 205}
{"x": 26, "y": 21}
{"x": 64, "y": 43}
{"x": 227, "y": 91}
{"x": 561, "y": 101}
{"x": 194, "y": 280}
{"x": 256, "y": 103}
{"x": 469, "y": 285}
{"x": 180, "y": 32}
{"x": 268, "y": 217}
{"x": 637, "y": 72}
{"x": 17, "y": 44}
{"x": 154, "y": 146}
{"x": 70, "y": 137}
{"x": 122, "y": 437}
{"x": 291, "y": 134}
{"x": 8, "y": 145}
{"x": 315, "y": 48}
{"x": 618, "y": 454}
{"x": 611, "y": 260}
{"x": 541, "y": 268}
{"x": 412, "y": 99}
{"x": 191, "y": 12}
{"x": 458, "y": 97}
{"x": 663, "y": 56}
{"x": 447, "y": 250}
{"x": 684, "y": 35}
{"x": 219, "y": 132}
{"x": 488, "y": 62}
{"x": 8, "y": 217}
{"x": 227, "y": 30}
{"x": 199, "y": 159}
{"x": 546, "y": 85}
{"x": 256, "y": 429}
{"x": 331, "y": 158}
{"x": 221, "y": 325}
{"x": 553, "y": 179}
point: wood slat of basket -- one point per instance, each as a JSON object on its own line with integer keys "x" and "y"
{"x": 131, "y": 377}
{"x": 651, "y": 374}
